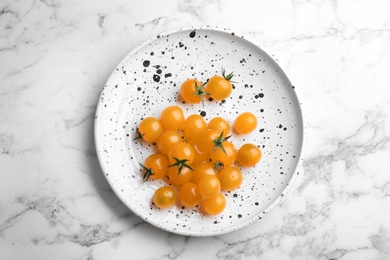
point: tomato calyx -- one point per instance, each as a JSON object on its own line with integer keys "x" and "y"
{"x": 148, "y": 172}
{"x": 227, "y": 77}
{"x": 218, "y": 143}
{"x": 180, "y": 164}
{"x": 199, "y": 91}
{"x": 139, "y": 136}
{"x": 218, "y": 166}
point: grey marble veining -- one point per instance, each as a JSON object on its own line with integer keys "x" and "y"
{"x": 55, "y": 57}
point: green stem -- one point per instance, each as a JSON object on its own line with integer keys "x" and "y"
{"x": 180, "y": 165}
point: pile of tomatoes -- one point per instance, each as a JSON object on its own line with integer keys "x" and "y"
{"x": 196, "y": 157}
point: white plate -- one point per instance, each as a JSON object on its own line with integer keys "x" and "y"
{"x": 148, "y": 79}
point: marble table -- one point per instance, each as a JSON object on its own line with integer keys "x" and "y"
{"x": 55, "y": 57}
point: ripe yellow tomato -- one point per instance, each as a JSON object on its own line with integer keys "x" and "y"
{"x": 245, "y": 123}
{"x": 230, "y": 178}
{"x": 181, "y": 151}
{"x": 194, "y": 126}
{"x": 220, "y": 124}
{"x": 249, "y": 155}
{"x": 214, "y": 205}
{"x": 172, "y": 118}
{"x": 199, "y": 156}
{"x": 165, "y": 197}
{"x": 206, "y": 140}
{"x": 209, "y": 186}
{"x": 189, "y": 195}
{"x": 159, "y": 165}
{"x": 167, "y": 140}
{"x": 227, "y": 158}
{"x": 150, "y": 129}
{"x": 202, "y": 170}
{"x": 220, "y": 87}
{"x": 177, "y": 179}
{"x": 192, "y": 91}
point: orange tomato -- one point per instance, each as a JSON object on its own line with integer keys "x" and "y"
{"x": 220, "y": 87}
{"x": 158, "y": 163}
{"x": 230, "y": 178}
{"x": 248, "y": 155}
{"x": 228, "y": 157}
{"x": 181, "y": 151}
{"x": 194, "y": 126}
{"x": 209, "y": 186}
{"x": 199, "y": 156}
{"x": 245, "y": 123}
{"x": 203, "y": 169}
{"x": 189, "y": 195}
{"x": 220, "y": 124}
{"x": 150, "y": 129}
{"x": 167, "y": 140}
{"x": 165, "y": 197}
{"x": 177, "y": 179}
{"x": 192, "y": 91}
{"x": 206, "y": 140}
{"x": 214, "y": 205}
{"x": 172, "y": 118}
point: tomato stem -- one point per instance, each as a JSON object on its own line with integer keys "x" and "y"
{"x": 148, "y": 172}
{"x": 227, "y": 77}
{"x": 199, "y": 91}
{"x": 219, "y": 142}
{"x": 139, "y": 136}
{"x": 180, "y": 164}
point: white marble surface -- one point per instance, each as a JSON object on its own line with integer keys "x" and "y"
{"x": 55, "y": 57}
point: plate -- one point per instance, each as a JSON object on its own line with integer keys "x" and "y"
{"x": 148, "y": 79}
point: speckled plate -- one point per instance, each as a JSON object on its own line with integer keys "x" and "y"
{"x": 148, "y": 79}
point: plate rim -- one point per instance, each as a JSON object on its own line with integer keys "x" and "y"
{"x": 280, "y": 197}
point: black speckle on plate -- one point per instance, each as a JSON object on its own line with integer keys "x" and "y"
{"x": 146, "y": 63}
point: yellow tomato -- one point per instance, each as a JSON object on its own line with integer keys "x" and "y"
{"x": 230, "y": 178}
{"x": 150, "y": 129}
{"x": 167, "y": 140}
{"x": 189, "y": 195}
{"x": 248, "y": 155}
{"x": 172, "y": 118}
{"x": 245, "y": 123}
{"x": 226, "y": 157}
{"x": 194, "y": 126}
{"x": 214, "y": 205}
{"x": 209, "y": 186}
{"x": 220, "y": 124}
{"x": 165, "y": 197}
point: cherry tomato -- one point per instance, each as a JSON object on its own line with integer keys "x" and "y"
{"x": 230, "y": 178}
{"x": 172, "y": 118}
{"x": 206, "y": 140}
{"x": 194, "y": 127}
{"x": 192, "y": 91}
{"x": 181, "y": 151}
{"x": 150, "y": 129}
{"x": 245, "y": 123}
{"x": 220, "y": 87}
{"x": 227, "y": 158}
{"x": 189, "y": 195}
{"x": 209, "y": 186}
{"x": 199, "y": 156}
{"x": 167, "y": 140}
{"x": 165, "y": 197}
{"x": 177, "y": 179}
{"x": 214, "y": 205}
{"x": 202, "y": 170}
{"x": 158, "y": 163}
{"x": 220, "y": 124}
{"x": 248, "y": 155}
